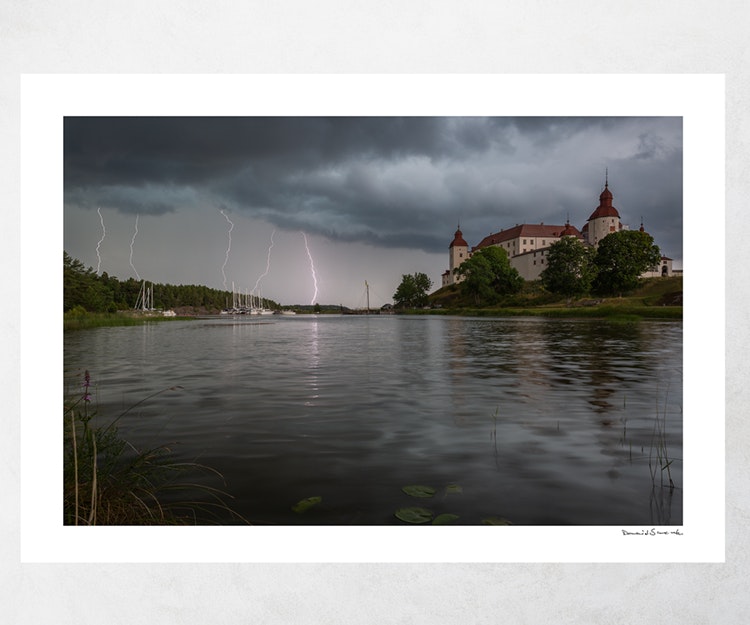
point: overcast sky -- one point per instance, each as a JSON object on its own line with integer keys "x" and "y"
{"x": 201, "y": 200}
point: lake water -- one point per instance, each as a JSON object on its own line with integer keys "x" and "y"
{"x": 537, "y": 421}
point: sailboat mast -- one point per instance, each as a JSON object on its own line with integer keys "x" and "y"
{"x": 139, "y": 300}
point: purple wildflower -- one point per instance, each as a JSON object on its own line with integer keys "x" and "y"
{"x": 86, "y": 384}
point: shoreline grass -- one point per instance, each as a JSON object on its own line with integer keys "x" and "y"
{"x": 623, "y": 313}
{"x": 77, "y": 320}
{"x": 107, "y": 481}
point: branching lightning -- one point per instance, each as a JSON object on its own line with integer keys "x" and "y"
{"x": 229, "y": 247}
{"x": 104, "y": 234}
{"x": 135, "y": 234}
{"x": 312, "y": 269}
{"x": 268, "y": 263}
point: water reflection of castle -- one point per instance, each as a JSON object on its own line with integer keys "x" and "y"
{"x": 527, "y": 245}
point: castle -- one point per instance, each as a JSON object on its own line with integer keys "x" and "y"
{"x": 527, "y": 245}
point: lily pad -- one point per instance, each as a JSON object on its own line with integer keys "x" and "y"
{"x": 414, "y": 515}
{"x": 496, "y": 520}
{"x": 416, "y": 490}
{"x": 306, "y": 504}
{"x": 444, "y": 519}
{"x": 453, "y": 488}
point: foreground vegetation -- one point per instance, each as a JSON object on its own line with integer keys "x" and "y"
{"x": 108, "y": 481}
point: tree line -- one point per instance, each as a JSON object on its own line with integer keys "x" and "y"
{"x": 573, "y": 270}
{"x": 84, "y": 288}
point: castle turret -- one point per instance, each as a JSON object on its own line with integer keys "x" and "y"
{"x": 458, "y": 253}
{"x": 568, "y": 230}
{"x": 605, "y": 219}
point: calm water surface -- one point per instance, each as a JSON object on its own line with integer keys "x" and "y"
{"x": 538, "y": 421}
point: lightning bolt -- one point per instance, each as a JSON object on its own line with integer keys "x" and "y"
{"x": 268, "y": 263}
{"x": 312, "y": 269}
{"x": 229, "y": 247}
{"x": 104, "y": 234}
{"x": 135, "y": 234}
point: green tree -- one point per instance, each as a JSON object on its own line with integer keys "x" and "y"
{"x": 488, "y": 275}
{"x": 73, "y": 282}
{"x": 82, "y": 287}
{"x": 570, "y": 268}
{"x": 621, "y": 258}
{"x": 413, "y": 290}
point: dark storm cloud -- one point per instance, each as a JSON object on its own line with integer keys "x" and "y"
{"x": 546, "y": 132}
{"x": 391, "y": 182}
{"x": 337, "y": 168}
{"x": 107, "y": 150}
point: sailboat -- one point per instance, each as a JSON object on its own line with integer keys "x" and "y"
{"x": 262, "y": 310}
{"x": 145, "y": 301}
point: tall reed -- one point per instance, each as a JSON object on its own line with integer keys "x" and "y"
{"x": 658, "y": 457}
{"x": 108, "y": 481}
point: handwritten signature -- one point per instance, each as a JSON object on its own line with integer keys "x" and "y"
{"x": 653, "y": 532}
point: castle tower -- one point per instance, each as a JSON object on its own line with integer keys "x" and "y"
{"x": 605, "y": 219}
{"x": 458, "y": 253}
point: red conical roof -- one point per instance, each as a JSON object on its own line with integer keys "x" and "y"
{"x": 458, "y": 240}
{"x": 605, "y": 208}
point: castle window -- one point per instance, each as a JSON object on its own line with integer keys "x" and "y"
{"x": 544, "y": 242}
{"x": 541, "y": 262}
{"x": 524, "y": 241}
